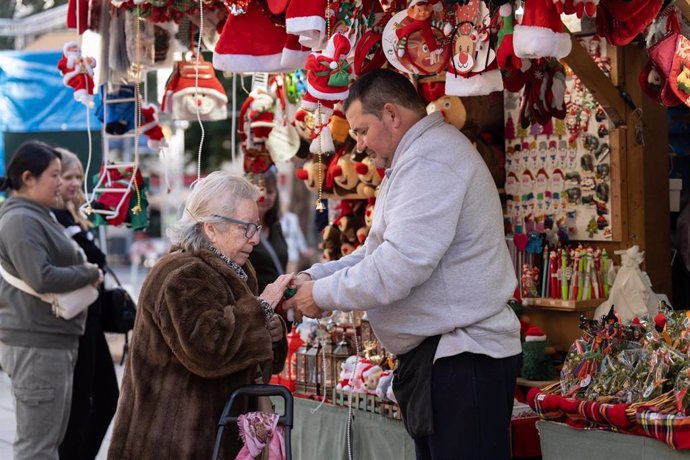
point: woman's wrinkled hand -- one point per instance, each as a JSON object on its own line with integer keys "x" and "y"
{"x": 275, "y": 328}
{"x": 273, "y": 293}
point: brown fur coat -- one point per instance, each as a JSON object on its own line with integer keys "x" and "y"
{"x": 199, "y": 334}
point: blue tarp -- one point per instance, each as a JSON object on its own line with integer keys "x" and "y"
{"x": 33, "y": 97}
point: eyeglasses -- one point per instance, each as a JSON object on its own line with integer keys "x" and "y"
{"x": 250, "y": 229}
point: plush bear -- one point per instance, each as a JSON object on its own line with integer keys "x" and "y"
{"x": 371, "y": 378}
{"x": 347, "y": 368}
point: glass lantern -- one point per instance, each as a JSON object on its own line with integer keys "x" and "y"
{"x": 313, "y": 369}
{"x": 301, "y": 375}
{"x": 340, "y": 354}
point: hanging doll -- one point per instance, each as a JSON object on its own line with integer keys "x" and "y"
{"x": 150, "y": 127}
{"x": 77, "y": 72}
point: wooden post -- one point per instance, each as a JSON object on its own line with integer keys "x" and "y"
{"x": 646, "y": 168}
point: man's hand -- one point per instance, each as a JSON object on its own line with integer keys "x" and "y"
{"x": 304, "y": 300}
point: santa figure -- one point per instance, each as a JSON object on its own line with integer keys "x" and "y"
{"x": 328, "y": 74}
{"x": 150, "y": 127}
{"x": 77, "y": 72}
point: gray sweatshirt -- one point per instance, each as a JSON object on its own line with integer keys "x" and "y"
{"x": 435, "y": 261}
{"x": 35, "y": 249}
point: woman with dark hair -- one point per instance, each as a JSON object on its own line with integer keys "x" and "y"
{"x": 95, "y": 390}
{"x": 269, "y": 258}
{"x": 38, "y": 349}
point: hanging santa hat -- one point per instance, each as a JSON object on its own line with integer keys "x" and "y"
{"x": 535, "y": 334}
{"x": 294, "y": 54}
{"x": 540, "y": 33}
{"x": 307, "y": 19}
{"x": 250, "y": 42}
{"x": 150, "y": 127}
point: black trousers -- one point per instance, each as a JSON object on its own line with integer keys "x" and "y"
{"x": 472, "y": 401}
{"x": 94, "y": 395}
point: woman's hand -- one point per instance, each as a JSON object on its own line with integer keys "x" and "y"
{"x": 275, "y": 328}
{"x": 99, "y": 280}
{"x": 273, "y": 293}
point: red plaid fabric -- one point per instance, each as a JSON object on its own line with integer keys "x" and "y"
{"x": 674, "y": 430}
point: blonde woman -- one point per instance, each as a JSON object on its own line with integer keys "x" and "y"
{"x": 95, "y": 390}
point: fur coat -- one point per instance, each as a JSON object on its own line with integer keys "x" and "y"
{"x": 199, "y": 335}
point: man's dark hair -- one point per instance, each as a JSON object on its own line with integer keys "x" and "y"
{"x": 378, "y": 87}
{"x": 32, "y": 156}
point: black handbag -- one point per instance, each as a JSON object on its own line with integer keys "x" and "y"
{"x": 118, "y": 309}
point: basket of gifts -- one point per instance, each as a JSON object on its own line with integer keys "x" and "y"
{"x": 632, "y": 378}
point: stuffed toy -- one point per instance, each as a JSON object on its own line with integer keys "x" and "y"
{"x": 182, "y": 97}
{"x": 77, "y": 73}
{"x": 328, "y": 74}
{"x": 331, "y": 242}
{"x": 536, "y": 362}
{"x": 118, "y": 117}
{"x": 371, "y": 378}
{"x": 341, "y": 175}
{"x": 384, "y": 389}
{"x": 358, "y": 381}
{"x": 313, "y": 173}
{"x": 150, "y": 127}
{"x": 256, "y": 119}
{"x": 340, "y": 128}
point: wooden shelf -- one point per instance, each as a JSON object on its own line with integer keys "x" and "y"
{"x": 535, "y": 383}
{"x": 562, "y": 305}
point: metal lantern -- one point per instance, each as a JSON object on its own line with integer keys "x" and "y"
{"x": 339, "y": 355}
{"x": 313, "y": 369}
{"x": 301, "y": 377}
{"x": 328, "y": 379}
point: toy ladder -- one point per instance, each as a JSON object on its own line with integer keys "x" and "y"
{"x": 104, "y": 184}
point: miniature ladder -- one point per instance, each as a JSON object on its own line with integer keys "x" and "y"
{"x": 104, "y": 184}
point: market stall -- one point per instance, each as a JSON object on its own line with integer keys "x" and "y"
{"x": 564, "y": 100}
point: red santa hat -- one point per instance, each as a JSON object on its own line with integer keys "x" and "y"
{"x": 332, "y": 60}
{"x": 540, "y": 33}
{"x": 242, "y": 49}
{"x": 371, "y": 370}
{"x": 294, "y": 54}
{"x": 552, "y": 144}
{"x": 535, "y": 334}
{"x": 307, "y": 19}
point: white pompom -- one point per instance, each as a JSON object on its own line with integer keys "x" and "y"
{"x": 505, "y": 10}
{"x": 333, "y": 65}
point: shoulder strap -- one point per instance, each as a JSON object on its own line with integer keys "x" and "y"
{"x": 272, "y": 253}
{"x": 22, "y": 286}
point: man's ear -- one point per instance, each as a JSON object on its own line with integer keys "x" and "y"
{"x": 392, "y": 113}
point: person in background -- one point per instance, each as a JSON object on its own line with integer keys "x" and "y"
{"x": 296, "y": 243}
{"x": 201, "y": 330}
{"x": 95, "y": 390}
{"x": 269, "y": 258}
{"x": 434, "y": 275}
{"x": 38, "y": 350}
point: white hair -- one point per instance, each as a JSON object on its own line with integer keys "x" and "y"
{"x": 218, "y": 193}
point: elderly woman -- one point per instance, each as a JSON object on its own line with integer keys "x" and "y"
{"x": 201, "y": 330}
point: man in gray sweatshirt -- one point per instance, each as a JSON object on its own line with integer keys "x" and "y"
{"x": 434, "y": 275}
